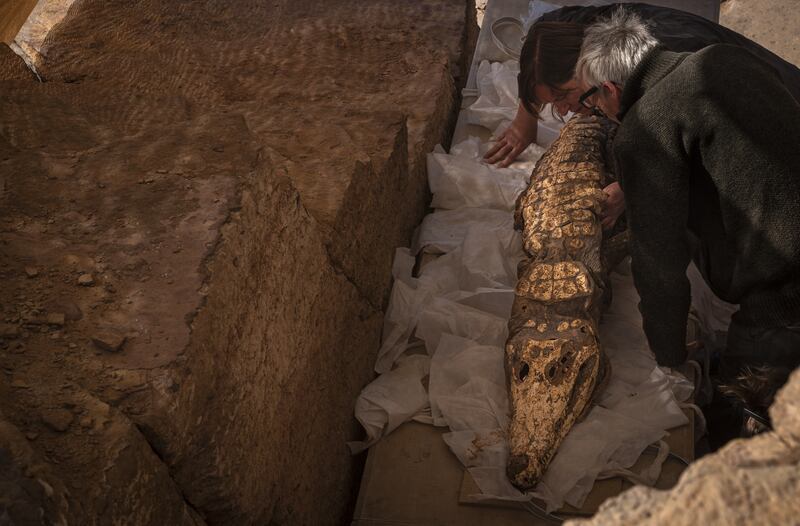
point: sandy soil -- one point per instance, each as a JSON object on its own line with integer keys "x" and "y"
{"x": 772, "y": 23}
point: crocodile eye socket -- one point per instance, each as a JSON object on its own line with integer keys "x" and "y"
{"x": 551, "y": 371}
{"x": 523, "y": 372}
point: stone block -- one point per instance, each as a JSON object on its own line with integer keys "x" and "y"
{"x": 235, "y": 180}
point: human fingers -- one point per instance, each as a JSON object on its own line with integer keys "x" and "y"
{"x": 494, "y": 149}
{"x": 512, "y": 156}
{"x": 500, "y": 154}
{"x": 501, "y": 143}
{"x": 614, "y": 191}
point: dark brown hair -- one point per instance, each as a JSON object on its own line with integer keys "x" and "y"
{"x": 548, "y": 57}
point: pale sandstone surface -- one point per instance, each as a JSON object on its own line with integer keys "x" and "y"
{"x": 754, "y": 481}
{"x": 198, "y": 214}
{"x": 772, "y": 23}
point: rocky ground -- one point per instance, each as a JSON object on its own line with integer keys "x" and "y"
{"x": 198, "y": 213}
{"x": 753, "y": 481}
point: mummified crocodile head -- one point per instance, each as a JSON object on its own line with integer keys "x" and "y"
{"x": 553, "y": 374}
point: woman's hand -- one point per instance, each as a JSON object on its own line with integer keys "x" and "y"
{"x": 512, "y": 142}
{"x": 613, "y": 206}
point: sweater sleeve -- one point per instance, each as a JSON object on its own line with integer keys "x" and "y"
{"x": 655, "y": 181}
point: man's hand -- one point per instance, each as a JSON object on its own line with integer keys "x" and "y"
{"x": 613, "y": 206}
{"x": 512, "y": 142}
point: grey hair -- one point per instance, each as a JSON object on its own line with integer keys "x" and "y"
{"x": 612, "y": 48}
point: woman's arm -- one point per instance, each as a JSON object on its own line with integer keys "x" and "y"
{"x": 512, "y": 142}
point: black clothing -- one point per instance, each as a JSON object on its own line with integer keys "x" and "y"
{"x": 681, "y": 31}
{"x": 710, "y": 142}
{"x": 753, "y": 346}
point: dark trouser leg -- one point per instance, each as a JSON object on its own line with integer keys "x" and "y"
{"x": 723, "y": 420}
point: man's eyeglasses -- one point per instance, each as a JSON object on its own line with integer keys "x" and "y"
{"x": 588, "y": 93}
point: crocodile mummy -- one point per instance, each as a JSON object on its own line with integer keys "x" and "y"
{"x": 554, "y": 363}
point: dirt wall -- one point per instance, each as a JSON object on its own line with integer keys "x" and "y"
{"x": 198, "y": 214}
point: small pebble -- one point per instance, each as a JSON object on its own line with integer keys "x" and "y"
{"x": 109, "y": 342}
{"x": 56, "y": 318}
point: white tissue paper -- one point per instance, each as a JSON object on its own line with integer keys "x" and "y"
{"x": 442, "y": 316}
{"x": 715, "y": 314}
{"x": 392, "y": 399}
{"x": 461, "y": 181}
{"x": 497, "y": 94}
{"x": 444, "y": 230}
{"x": 466, "y": 374}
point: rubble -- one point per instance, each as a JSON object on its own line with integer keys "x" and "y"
{"x": 749, "y": 481}
{"x": 109, "y": 341}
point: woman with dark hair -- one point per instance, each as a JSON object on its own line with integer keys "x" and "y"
{"x": 551, "y": 49}
{"x": 547, "y": 64}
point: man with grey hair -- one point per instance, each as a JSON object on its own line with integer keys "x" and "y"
{"x": 708, "y": 149}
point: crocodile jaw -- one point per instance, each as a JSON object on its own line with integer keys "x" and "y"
{"x": 552, "y": 381}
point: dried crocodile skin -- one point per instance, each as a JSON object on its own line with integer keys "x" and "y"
{"x": 554, "y": 362}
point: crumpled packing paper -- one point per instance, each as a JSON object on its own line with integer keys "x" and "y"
{"x": 445, "y": 230}
{"x": 714, "y": 313}
{"x": 460, "y": 181}
{"x": 390, "y": 400}
{"x": 497, "y": 94}
{"x": 457, "y": 307}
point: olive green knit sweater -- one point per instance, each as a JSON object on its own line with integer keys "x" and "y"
{"x": 710, "y": 142}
